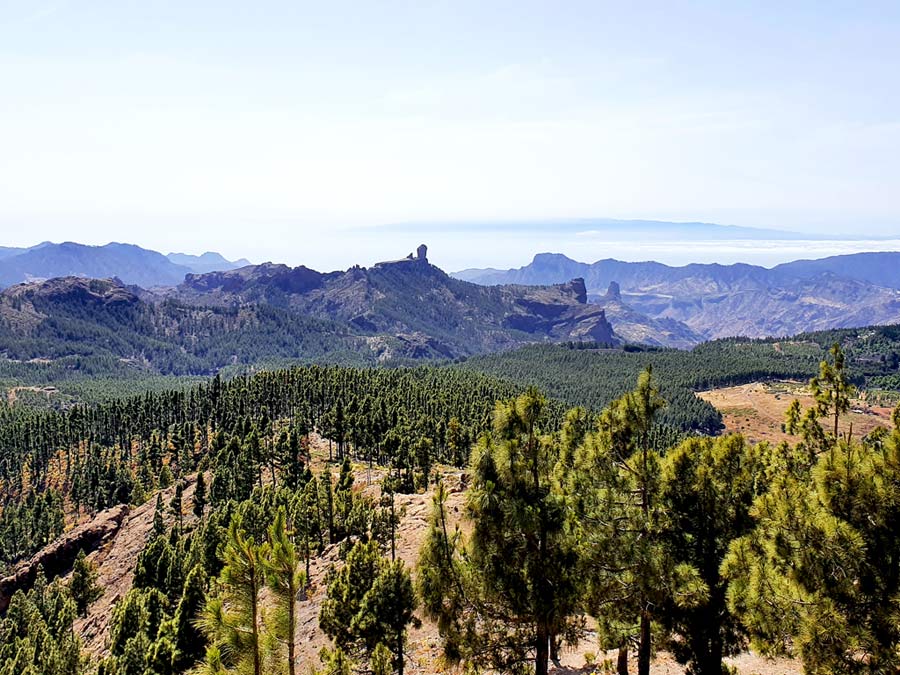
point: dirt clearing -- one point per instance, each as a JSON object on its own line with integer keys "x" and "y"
{"x": 757, "y": 410}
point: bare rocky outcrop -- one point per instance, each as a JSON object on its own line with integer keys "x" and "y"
{"x": 75, "y": 291}
{"x": 58, "y": 558}
{"x": 614, "y": 292}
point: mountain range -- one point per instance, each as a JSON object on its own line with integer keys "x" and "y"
{"x": 132, "y": 264}
{"x": 405, "y": 309}
{"x": 411, "y": 309}
{"x": 704, "y": 301}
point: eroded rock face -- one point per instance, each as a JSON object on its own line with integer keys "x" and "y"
{"x": 589, "y": 323}
{"x": 422, "y": 253}
{"x": 578, "y": 289}
{"x": 613, "y": 292}
{"x": 58, "y": 558}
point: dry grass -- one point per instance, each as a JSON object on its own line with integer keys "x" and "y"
{"x": 757, "y": 410}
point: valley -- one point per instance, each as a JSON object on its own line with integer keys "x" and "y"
{"x": 449, "y": 338}
{"x": 706, "y": 301}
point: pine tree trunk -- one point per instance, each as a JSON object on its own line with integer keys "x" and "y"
{"x": 711, "y": 662}
{"x": 393, "y": 533}
{"x": 644, "y": 647}
{"x": 542, "y": 649}
{"x": 254, "y": 608}
{"x": 622, "y": 661}
{"x": 836, "y": 413}
{"x": 554, "y": 651}
{"x": 292, "y": 636}
{"x": 400, "y": 652}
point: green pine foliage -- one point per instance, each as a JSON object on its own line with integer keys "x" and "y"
{"x": 370, "y": 602}
{"x": 83, "y": 586}
{"x": 506, "y": 595}
{"x": 707, "y": 491}
{"x": 29, "y": 524}
{"x": 36, "y": 635}
{"x": 285, "y": 579}
{"x": 818, "y": 575}
{"x": 631, "y": 574}
{"x": 116, "y": 452}
{"x": 603, "y": 515}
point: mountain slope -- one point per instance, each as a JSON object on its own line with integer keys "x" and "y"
{"x": 104, "y": 327}
{"x": 267, "y": 313}
{"x": 7, "y": 251}
{"x": 881, "y": 269}
{"x": 131, "y": 264}
{"x": 724, "y": 300}
{"x": 412, "y": 299}
{"x": 638, "y": 328}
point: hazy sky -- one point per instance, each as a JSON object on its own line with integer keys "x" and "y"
{"x": 275, "y": 130}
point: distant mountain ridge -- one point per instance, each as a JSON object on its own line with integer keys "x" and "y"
{"x": 207, "y": 262}
{"x": 132, "y": 264}
{"x": 406, "y": 309}
{"x": 413, "y": 300}
{"x": 617, "y": 229}
{"x": 715, "y": 300}
{"x": 409, "y": 307}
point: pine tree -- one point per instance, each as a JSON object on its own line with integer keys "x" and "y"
{"x": 707, "y": 493}
{"x": 286, "y": 580}
{"x": 832, "y": 389}
{"x": 159, "y": 525}
{"x": 369, "y": 602}
{"x": 386, "y": 610}
{"x": 616, "y": 480}
{"x": 189, "y": 641}
{"x": 502, "y": 598}
{"x": 83, "y": 586}
{"x": 818, "y": 574}
{"x": 200, "y": 495}
{"x": 382, "y": 660}
{"x": 231, "y": 620}
{"x": 175, "y": 503}
{"x": 346, "y": 589}
{"x": 343, "y": 500}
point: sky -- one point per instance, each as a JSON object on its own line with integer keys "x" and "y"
{"x": 304, "y": 132}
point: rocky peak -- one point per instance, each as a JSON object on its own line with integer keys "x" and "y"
{"x": 75, "y": 290}
{"x": 613, "y": 292}
{"x": 578, "y": 289}
{"x": 286, "y": 279}
{"x": 550, "y": 259}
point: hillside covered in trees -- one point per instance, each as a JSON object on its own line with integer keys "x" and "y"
{"x": 569, "y": 519}
{"x": 395, "y": 312}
